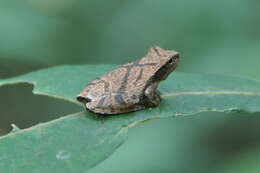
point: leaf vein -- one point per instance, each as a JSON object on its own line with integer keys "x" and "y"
{"x": 210, "y": 93}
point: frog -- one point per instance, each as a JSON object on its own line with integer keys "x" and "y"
{"x": 132, "y": 86}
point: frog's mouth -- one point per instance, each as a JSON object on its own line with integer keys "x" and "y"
{"x": 164, "y": 72}
{"x": 167, "y": 73}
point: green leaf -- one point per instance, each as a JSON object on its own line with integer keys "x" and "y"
{"x": 246, "y": 161}
{"x": 70, "y": 144}
{"x": 63, "y": 82}
{"x": 77, "y": 142}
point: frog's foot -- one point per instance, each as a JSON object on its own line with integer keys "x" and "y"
{"x": 154, "y": 99}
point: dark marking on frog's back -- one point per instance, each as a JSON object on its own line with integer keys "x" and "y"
{"x": 119, "y": 98}
{"x": 157, "y": 51}
{"x": 139, "y": 76}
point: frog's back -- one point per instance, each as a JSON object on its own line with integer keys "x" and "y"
{"x": 120, "y": 89}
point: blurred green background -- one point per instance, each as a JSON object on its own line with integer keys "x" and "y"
{"x": 221, "y": 37}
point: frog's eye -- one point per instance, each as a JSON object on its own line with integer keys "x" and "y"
{"x": 171, "y": 61}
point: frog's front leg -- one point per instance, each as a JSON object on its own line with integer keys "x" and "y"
{"x": 152, "y": 95}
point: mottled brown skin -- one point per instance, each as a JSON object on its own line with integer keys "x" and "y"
{"x": 132, "y": 86}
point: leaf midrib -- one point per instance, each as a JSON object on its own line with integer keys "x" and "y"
{"x": 210, "y": 93}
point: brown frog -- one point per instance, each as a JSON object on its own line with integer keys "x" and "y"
{"x": 132, "y": 86}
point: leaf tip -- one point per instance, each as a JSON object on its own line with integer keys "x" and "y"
{"x": 14, "y": 128}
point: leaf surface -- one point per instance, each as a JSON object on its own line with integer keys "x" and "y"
{"x": 77, "y": 142}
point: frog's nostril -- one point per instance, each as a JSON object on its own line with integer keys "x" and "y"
{"x": 177, "y": 56}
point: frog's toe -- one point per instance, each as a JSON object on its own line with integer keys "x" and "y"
{"x": 154, "y": 99}
{"x": 83, "y": 99}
